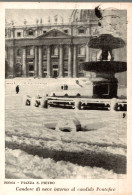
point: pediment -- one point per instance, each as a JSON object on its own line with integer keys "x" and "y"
{"x": 54, "y": 33}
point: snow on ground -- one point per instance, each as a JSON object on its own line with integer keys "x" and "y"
{"x": 97, "y": 151}
{"x": 19, "y": 164}
{"x": 30, "y": 126}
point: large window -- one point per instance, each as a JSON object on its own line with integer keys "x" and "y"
{"x": 81, "y": 31}
{"x": 65, "y": 31}
{"x": 31, "y": 67}
{"x": 19, "y": 34}
{"x": 30, "y": 32}
{"x": 30, "y": 63}
{"x": 55, "y": 66}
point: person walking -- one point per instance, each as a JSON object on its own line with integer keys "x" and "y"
{"x": 17, "y": 89}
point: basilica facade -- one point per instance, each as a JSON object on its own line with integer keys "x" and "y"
{"x": 54, "y": 49}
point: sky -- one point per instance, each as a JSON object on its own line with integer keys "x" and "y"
{"x": 31, "y": 15}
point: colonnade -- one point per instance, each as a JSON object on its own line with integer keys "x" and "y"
{"x": 38, "y": 60}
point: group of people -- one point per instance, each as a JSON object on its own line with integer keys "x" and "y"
{"x": 64, "y": 87}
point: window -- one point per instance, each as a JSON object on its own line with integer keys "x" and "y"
{"x": 18, "y": 34}
{"x": 30, "y": 32}
{"x": 66, "y": 31}
{"x": 81, "y": 31}
{"x": 55, "y": 66}
{"x": 31, "y": 67}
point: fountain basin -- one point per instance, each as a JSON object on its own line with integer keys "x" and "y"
{"x": 104, "y": 66}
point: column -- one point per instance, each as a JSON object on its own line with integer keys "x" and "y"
{"x": 75, "y": 67}
{"x": 70, "y": 61}
{"x": 61, "y": 61}
{"x": 24, "y": 68}
{"x": 87, "y": 53}
{"x": 40, "y": 63}
{"x": 36, "y": 62}
{"x": 11, "y": 62}
{"x": 48, "y": 62}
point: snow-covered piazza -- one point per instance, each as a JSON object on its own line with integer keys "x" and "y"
{"x": 35, "y": 148}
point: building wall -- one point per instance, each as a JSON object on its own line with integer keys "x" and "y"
{"x": 56, "y": 50}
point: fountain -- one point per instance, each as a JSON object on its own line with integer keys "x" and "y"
{"x": 104, "y": 82}
{"x": 111, "y": 28}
